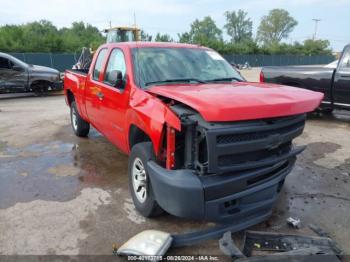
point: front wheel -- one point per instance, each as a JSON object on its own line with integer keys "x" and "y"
{"x": 139, "y": 181}
{"x": 80, "y": 127}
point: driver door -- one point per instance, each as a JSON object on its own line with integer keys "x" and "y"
{"x": 115, "y": 99}
{"x": 12, "y": 78}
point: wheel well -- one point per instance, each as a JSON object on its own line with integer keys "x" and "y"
{"x": 40, "y": 82}
{"x": 137, "y": 135}
{"x": 70, "y": 97}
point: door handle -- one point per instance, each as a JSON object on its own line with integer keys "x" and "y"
{"x": 100, "y": 95}
{"x": 345, "y": 76}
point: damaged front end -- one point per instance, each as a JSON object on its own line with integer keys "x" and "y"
{"x": 225, "y": 171}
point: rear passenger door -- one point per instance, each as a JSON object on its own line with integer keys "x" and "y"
{"x": 93, "y": 92}
{"x": 115, "y": 99}
{"x": 341, "y": 87}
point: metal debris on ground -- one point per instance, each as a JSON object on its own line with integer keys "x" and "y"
{"x": 294, "y": 222}
{"x": 268, "y": 246}
{"x": 228, "y": 247}
{"x": 319, "y": 231}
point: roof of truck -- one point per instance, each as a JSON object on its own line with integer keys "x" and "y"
{"x": 141, "y": 44}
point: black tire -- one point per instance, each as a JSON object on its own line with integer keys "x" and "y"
{"x": 149, "y": 206}
{"x": 41, "y": 89}
{"x": 80, "y": 127}
{"x": 327, "y": 111}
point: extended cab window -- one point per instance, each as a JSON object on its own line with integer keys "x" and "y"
{"x": 116, "y": 63}
{"x": 98, "y": 65}
{"x": 4, "y": 63}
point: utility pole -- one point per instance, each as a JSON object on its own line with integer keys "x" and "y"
{"x": 135, "y": 20}
{"x": 316, "y": 20}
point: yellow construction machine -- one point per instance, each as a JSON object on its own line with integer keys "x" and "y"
{"x": 122, "y": 34}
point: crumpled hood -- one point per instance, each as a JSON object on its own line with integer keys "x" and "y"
{"x": 241, "y": 100}
{"x": 43, "y": 69}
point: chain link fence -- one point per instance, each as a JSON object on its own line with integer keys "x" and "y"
{"x": 279, "y": 60}
{"x": 58, "y": 61}
{"x": 67, "y": 60}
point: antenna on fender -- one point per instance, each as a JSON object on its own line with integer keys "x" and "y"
{"x": 137, "y": 51}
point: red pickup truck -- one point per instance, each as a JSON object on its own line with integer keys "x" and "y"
{"x": 203, "y": 142}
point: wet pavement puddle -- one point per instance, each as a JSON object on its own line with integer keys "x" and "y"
{"x": 58, "y": 170}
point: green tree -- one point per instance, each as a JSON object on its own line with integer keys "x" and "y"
{"x": 43, "y": 36}
{"x": 316, "y": 47}
{"x": 238, "y": 26}
{"x": 11, "y": 38}
{"x": 274, "y": 27}
{"x": 204, "y": 32}
{"x": 244, "y": 47}
{"x": 184, "y": 37}
{"x": 163, "y": 38}
{"x": 145, "y": 36}
{"x": 80, "y": 35}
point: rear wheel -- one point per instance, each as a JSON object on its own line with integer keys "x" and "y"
{"x": 139, "y": 181}
{"x": 80, "y": 126}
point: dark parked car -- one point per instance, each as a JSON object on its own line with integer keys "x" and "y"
{"x": 333, "y": 82}
{"x": 17, "y": 76}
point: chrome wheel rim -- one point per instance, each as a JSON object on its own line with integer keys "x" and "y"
{"x": 139, "y": 180}
{"x": 74, "y": 119}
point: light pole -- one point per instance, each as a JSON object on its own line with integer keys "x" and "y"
{"x": 316, "y": 20}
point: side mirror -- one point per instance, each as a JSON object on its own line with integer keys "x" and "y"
{"x": 115, "y": 78}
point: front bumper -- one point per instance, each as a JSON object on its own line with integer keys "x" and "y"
{"x": 237, "y": 198}
{"x": 58, "y": 85}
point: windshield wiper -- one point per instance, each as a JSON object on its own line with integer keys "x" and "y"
{"x": 186, "y": 80}
{"x": 224, "y": 79}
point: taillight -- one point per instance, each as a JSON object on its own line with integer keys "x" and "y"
{"x": 262, "y": 77}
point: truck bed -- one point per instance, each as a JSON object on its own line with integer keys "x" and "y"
{"x": 316, "y": 78}
{"x": 79, "y": 71}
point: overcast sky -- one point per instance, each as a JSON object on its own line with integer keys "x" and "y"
{"x": 173, "y": 16}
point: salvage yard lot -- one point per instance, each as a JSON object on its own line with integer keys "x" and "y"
{"x": 60, "y": 194}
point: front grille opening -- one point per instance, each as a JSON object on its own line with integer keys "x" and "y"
{"x": 230, "y": 207}
{"x": 234, "y": 138}
{"x": 230, "y": 203}
{"x": 260, "y": 155}
{"x": 245, "y": 145}
{"x": 202, "y": 149}
{"x": 228, "y": 139}
{"x": 179, "y": 149}
{"x": 233, "y": 211}
{"x": 264, "y": 177}
{"x": 280, "y": 185}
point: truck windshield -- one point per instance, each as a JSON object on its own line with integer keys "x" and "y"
{"x": 153, "y": 65}
{"x": 18, "y": 62}
{"x": 115, "y": 36}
